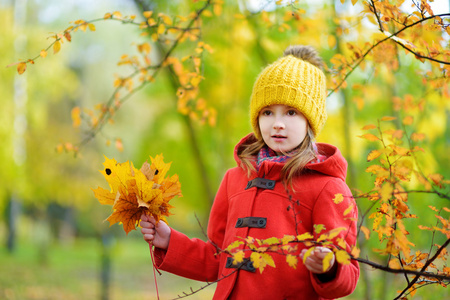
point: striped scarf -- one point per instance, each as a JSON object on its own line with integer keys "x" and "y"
{"x": 267, "y": 154}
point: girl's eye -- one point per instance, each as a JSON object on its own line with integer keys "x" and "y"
{"x": 266, "y": 113}
{"x": 291, "y": 112}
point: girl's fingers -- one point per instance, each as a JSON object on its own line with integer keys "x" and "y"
{"x": 145, "y": 224}
{"x": 147, "y": 230}
{"x": 149, "y": 238}
{"x": 152, "y": 220}
{"x": 314, "y": 262}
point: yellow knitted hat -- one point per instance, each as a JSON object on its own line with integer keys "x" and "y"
{"x": 295, "y": 80}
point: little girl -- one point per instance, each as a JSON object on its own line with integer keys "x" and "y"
{"x": 278, "y": 164}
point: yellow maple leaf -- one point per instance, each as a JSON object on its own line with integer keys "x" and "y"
{"x": 135, "y": 192}
{"x": 116, "y": 174}
{"x": 159, "y": 167}
{"x": 126, "y": 209}
{"x": 104, "y": 196}
{"x": 171, "y": 187}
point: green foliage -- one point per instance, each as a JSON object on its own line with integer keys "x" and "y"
{"x": 396, "y": 67}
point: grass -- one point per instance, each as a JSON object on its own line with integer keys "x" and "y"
{"x": 73, "y": 272}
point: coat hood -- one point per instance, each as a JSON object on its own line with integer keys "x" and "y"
{"x": 334, "y": 164}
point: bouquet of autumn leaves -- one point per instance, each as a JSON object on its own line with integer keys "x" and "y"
{"x": 135, "y": 192}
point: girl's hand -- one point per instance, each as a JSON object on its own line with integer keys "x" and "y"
{"x": 314, "y": 262}
{"x": 156, "y": 234}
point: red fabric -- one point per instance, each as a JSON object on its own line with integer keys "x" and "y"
{"x": 315, "y": 189}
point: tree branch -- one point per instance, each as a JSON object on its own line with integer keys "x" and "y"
{"x": 425, "y": 274}
{"x": 391, "y": 37}
{"x": 104, "y": 117}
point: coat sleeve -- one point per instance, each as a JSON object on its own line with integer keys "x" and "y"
{"x": 331, "y": 215}
{"x": 195, "y": 258}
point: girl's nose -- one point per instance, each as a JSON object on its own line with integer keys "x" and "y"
{"x": 278, "y": 124}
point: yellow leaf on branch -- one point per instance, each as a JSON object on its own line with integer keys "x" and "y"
{"x": 56, "y": 47}
{"x": 287, "y": 238}
{"x": 91, "y": 27}
{"x": 21, "y": 67}
{"x": 338, "y": 198}
{"x": 373, "y": 154}
{"x": 366, "y": 232}
{"x": 370, "y": 126}
{"x": 305, "y": 236}
{"x": 348, "y": 210}
{"x": 308, "y": 253}
{"x": 318, "y": 228}
{"x": 292, "y": 260}
{"x": 161, "y": 29}
{"x": 388, "y": 118}
{"x": 76, "y": 117}
{"x": 342, "y": 257}
{"x": 238, "y": 257}
{"x": 327, "y": 261}
{"x": 261, "y": 260}
{"x": 370, "y": 137}
{"x": 147, "y": 14}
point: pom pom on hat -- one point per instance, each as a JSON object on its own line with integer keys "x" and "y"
{"x": 296, "y": 80}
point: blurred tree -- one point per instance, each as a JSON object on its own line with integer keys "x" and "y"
{"x": 388, "y": 65}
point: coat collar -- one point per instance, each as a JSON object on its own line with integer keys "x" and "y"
{"x": 331, "y": 164}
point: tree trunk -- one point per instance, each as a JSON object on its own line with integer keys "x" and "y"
{"x": 12, "y": 212}
{"x": 105, "y": 273}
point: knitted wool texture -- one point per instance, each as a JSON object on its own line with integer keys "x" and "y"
{"x": 294, "y": 82}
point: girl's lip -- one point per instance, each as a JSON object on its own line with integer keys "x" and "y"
{"x": 278, "y": 138}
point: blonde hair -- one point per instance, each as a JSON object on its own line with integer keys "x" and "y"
{"x": 294, "y": 166}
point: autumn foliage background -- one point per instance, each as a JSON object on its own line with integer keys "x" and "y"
{"x": 117, "y": 88}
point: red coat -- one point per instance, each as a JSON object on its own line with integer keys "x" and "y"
{"x": 315, "y": 189}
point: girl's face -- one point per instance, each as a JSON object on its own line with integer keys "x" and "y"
{"x": 283, "y": 128}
